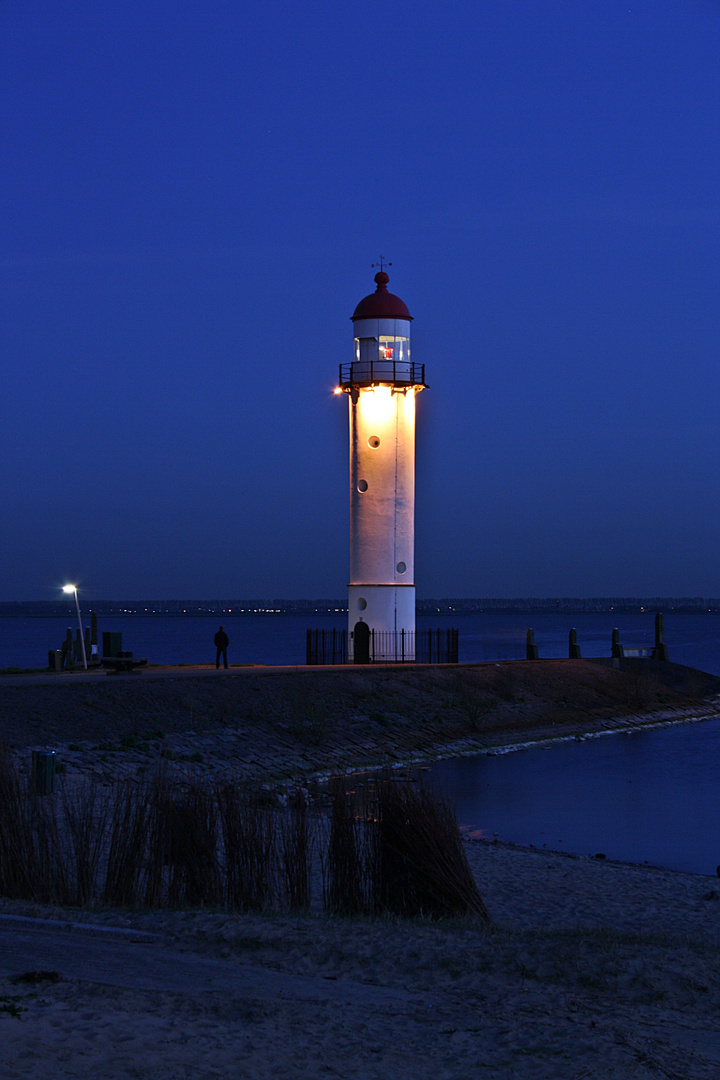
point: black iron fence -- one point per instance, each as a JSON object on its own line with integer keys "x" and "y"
{"x": 326, "y": 647}
{"x": 385, "y": 647}
{"x": 437, "y": 646}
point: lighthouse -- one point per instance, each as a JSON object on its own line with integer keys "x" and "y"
{"x": 381, "y": 383}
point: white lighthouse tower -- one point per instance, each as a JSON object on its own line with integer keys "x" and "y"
{"x": 381, "y": 384}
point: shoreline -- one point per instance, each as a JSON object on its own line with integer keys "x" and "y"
{"x": 591, "y": 968}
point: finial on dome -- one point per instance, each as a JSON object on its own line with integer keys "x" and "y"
{"x": 381, "y": 278}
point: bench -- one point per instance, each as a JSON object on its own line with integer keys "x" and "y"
{"x": 126, "y": 662}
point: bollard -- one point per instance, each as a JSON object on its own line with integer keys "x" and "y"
{"x": 42, "y": 776}
{"x": 574, "y": 649}
{"x": 660, "y": 651}
{"x": 67, "y": 649}
{"x": 531, "y": 649}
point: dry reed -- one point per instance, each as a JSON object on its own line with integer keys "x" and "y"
{"x": 387, "y": 847}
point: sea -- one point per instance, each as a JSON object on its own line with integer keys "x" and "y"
{"x": 646, "y": 797}
{"x": 693, "y": 638}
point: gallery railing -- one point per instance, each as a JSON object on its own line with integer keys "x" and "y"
{"x": 369, "y": 372}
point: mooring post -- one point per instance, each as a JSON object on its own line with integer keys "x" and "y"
{"x": 574, "y": 649}
{"x": 93, "y": 650}
{"x": 660, "y": 651}
{"x": 531, "y": 649}
{"x": 67, "y": 648}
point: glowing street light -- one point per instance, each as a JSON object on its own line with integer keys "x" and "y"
{"x": 73, "y": 589}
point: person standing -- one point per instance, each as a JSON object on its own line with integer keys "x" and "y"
{"x": 221, "y": 646}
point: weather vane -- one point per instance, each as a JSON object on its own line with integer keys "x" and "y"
{"x": 382, "y": 264}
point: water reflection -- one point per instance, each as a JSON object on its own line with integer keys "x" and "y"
{"x": 651, "y": 796}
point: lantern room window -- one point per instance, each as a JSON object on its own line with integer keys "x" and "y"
{"x": 383, "y": 359}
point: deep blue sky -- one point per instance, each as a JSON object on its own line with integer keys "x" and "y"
{"x": 192, "y": 194}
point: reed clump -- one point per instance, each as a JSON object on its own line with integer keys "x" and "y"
{"x": 391, "y": 847}
{"x": 394, "y": 848}
{"x": 420, "y": 865}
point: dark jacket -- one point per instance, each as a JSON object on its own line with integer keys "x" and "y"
{"x": 221, "y": 640}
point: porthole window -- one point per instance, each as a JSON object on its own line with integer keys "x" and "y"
{"x": 362, "y": 603}
{"x": 373, "y": 442}
{"x": 362, "y": 485}
{"x": 401, "y": 568}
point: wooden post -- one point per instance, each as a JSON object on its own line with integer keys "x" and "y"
{"x": 660, "y": 651}
{"x": 574, "y": 648}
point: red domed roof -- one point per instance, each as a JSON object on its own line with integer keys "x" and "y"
{"x": 381, "y": 304}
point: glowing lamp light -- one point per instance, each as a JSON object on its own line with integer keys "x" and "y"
{"x": 73, "y": 589}
{"x": 377, "y": 404}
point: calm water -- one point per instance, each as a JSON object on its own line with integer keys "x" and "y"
{"x": 692, "y": 639}
{"x": 651, "y": 796}
{"x": 647, "y": 797}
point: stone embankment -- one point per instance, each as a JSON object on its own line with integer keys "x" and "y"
{"x": 278, "y": 723}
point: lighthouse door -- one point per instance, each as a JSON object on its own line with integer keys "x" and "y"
{"x": 361, "y": 641}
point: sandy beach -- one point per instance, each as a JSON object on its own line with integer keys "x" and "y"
{"x": 588, "y": 969}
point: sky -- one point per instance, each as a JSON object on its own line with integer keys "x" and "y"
{"x": 193, "y": 195}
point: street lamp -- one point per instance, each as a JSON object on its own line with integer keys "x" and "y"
{"x": 73, "y": 589}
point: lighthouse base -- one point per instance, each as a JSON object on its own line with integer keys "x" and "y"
{"x": 381, "y": 623}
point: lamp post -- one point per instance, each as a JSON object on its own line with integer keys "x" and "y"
{"x": 73, "y": 589}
